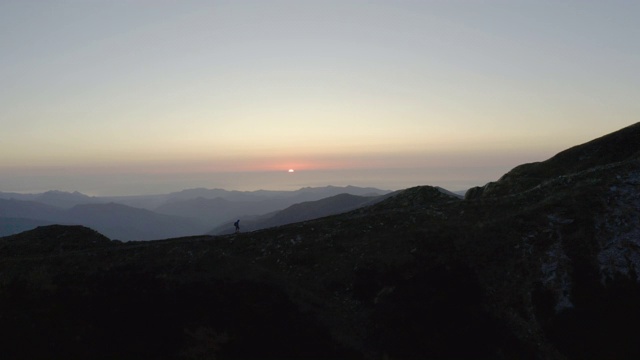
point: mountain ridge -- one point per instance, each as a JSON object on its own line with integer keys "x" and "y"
{"x": 187, "y": 216}
{"x": 520, "y": 269}
{"x": 303, "y": 211}
{"x": 608, "y": 150}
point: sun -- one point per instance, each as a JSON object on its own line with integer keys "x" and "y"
{"x": 291, "y": 170}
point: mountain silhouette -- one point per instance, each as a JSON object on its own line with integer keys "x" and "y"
{"x": 541, "y": 264}
{"x": 128, "y": 223}
{"x": 307, "y": 210}
{"x": 151, "y": 217}
{"x": 116, "y": 221}
{"x": 215, "y": 206}
{"x": 606, "y": 151}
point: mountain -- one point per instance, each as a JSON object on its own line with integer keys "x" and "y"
{"x": 150, "y": 217}
{"x": 114, "y": 220}
{"x": 301, "y": 212}
{"x": 271, "y": 200}
{"x": 55, "y": 198}
{"x": 128, "y": 223}
{"x": 46, "y": 240}
{"x": 21, "y": 215}
{"x": 541, "y": 264}
{"x": 312, "y": 192}
{"x": 228, "y": 205}
{"x": 223, "y": 194}
{"x": 10, "y": 225}
{"x": 65, "y": 199}
{"x": 211, "y": 212}
{"x": 27, "y": 209}
{"x": 605, "y": 152}
{"x": 16, "y": 196}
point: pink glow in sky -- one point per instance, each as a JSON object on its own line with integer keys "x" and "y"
{"x": 145, "y": 96}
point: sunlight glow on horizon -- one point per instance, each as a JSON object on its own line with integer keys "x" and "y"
{"x": 128, "y": 90}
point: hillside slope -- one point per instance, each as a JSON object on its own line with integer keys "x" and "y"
{"x": 116, "y": 221}
{"x": 229, "y": 205}
{"x": 301, "y": 212}
{"x": 605, "y": 151}
{"x": 128, "y": 223}
{"x": 545, "y": 270}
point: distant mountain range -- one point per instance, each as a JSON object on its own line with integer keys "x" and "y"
{"x": 543, "y": 263}
{"x": 152, "y": 217}
{"x": 300, "y": 212}
{"x": 309, "y": 210}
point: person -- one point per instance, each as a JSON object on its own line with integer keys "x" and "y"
{"x": 237, "y": 225}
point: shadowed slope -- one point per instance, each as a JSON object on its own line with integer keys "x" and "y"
{"x": 620, "y": 146}
{"x": 301, "y": 212}
{"x": 548, "y": 272}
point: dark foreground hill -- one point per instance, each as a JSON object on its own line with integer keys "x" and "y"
{"x": 541, "y": 269}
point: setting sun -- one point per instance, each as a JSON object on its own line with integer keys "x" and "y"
{"x": 291, "y": 170}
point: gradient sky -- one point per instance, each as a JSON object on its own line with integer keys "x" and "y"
{"x": 139, "y": 96}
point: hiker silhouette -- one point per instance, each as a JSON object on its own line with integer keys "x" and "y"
{"x": 237, "y": 225}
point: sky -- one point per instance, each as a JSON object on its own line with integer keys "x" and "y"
{"x": 121, "y": 97}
